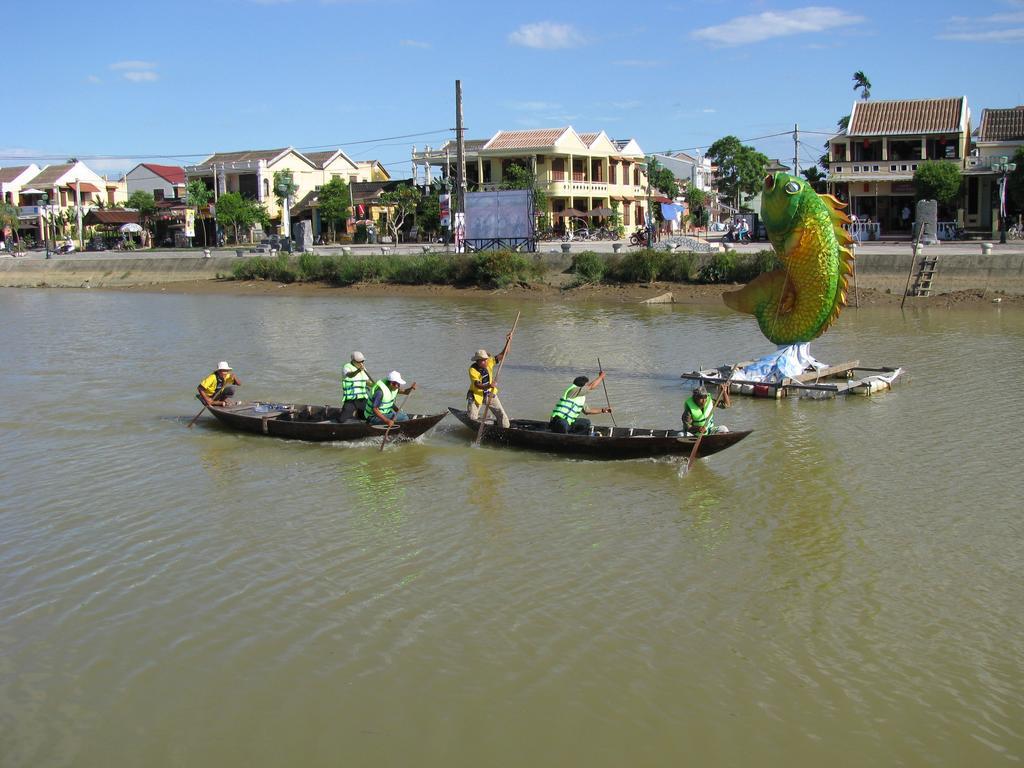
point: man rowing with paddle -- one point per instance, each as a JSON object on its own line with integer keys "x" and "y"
{"x": 216, "y": 388}
{"x": 481, "y": 375}
{"x": 699, "y": 412}
{"x": 380, "y": 405}
{"x": 565, "y": 418}
{"x": 354, "y": 388}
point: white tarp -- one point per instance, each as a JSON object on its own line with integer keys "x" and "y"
{"x": 785, "y": 363}
{"x": 501, "y": 214}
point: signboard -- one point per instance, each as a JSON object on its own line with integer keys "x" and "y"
{"x": 190, "y": 222}
{"x": 505, "y": 214}
{"x": 446, "y": 210}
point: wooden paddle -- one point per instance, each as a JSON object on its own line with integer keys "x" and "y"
{"x": 196, "y": 417}
{"x": 696, "y": 445}
{"x": 387, "y": 431}
{"x": 494, "y": 382}
{"x": 607, "y": 399}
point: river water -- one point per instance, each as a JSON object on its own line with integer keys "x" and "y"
{"x": 844, "y": 587}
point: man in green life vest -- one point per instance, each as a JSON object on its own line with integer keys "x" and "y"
{"x": 565, "y": 418}
{"x": 380, "y": 401}
{"x": 699, "y": 412}
{"x": 355, "y": 386}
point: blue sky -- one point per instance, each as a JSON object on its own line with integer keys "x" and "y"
{"x": 117, "y": 83}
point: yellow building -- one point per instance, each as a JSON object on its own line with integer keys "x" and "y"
{"x": 579, "y": 172}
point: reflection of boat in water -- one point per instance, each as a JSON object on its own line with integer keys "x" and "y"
{"x": 601, "y": 442}
{"x": 817, "y": 384}
{"x": 316, "y": 423}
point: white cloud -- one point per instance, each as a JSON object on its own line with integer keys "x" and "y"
{"x": 133, "y": 64}
{"x": 743, "y": 30}
{"x": 92, "y": 79}
{"x": 548, "y": 35}
{"x": 141, "y": 77}
{"x": 986, "y": 29}
{"x": 414, "y": 44}
{"x": 638, "y": 63}
{"x": 709, "y": 110}
{"x": 989, "y": 36}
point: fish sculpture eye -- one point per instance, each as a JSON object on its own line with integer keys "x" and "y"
{"x": 793, "y": 187}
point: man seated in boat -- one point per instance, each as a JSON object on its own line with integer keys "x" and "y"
{"x": 699, "y": 412}
{"x": 380, "y": 402}
{"x": 481, "y": 385}
{"x": 565, "y": 418}
{"x": 216, "y": 388}
{"x": 355, "y": 382}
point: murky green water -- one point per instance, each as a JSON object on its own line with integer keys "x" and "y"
{"x": 842, "y": 588}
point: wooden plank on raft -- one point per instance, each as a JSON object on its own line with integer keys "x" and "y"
{"x": 824, "y": 373}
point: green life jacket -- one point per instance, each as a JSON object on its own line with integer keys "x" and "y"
{"x": 569, "y": 408}
{"x": 353, "y": 387}
{"x": 702, "y": 417}
{"x": 387, "y": 400}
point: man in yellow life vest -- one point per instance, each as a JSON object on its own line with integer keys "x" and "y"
{"x": 699, "y": 412}
{"x": 481, "y": 385}
{"x": 565, "y": 418}
{"x": 380, "y": 401}
{"x": 355, "y": 383}
{"x": 216, "y": 388}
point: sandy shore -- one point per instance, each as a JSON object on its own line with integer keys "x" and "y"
{"x": 682, "y": 293}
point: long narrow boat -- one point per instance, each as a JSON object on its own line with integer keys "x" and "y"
{"x": 316, "y": 423}
{"x": 601, "y": 442}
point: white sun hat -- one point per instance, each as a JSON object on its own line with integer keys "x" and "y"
{"x": 223, "y": 366}
{"x": 396, "y": 377}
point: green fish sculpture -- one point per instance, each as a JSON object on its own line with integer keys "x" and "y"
{"x": 799, "y": 302}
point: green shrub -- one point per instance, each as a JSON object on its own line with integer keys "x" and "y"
{"x": 678, "y": 267}
{"x": 719, "y": 269}
{"x": 641, "y": 266}
{"x": 498, "y": 269}
{"x": 255, "y": 268}
{"x": 588, "y": 267}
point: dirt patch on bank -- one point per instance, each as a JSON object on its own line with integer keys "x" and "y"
{"x": 682, "y": 293}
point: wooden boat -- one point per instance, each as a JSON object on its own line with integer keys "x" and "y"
{"x": 601, "y": 442}
{"x": 316, "y": 423}
{"x": 835, "y": 381}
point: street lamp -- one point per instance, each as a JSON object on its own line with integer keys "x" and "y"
{"x": 44, "y": 200}
{"x": 1004, "y": 167}
{"x": 284, "y": 191}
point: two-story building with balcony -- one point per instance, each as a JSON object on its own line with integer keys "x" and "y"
{"x": 1000, "y": 134}
{"x": 578, "y": 172}
{"x": 70, "y": 191}
{"x": 872, "y": 164}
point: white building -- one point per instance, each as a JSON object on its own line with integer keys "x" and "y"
{"x": 164, "y": 182}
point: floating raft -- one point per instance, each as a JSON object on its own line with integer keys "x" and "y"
{"x": 824, "y": 384}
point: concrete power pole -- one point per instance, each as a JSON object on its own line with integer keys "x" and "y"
{"x": 460, "y": 160}
{"x": 796, "y": 149}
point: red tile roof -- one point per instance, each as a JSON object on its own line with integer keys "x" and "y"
{"x": 1002, "y": 124}
{"x": 172, "y": 174}
{"x": 908, "y": 116}
{"x": 536, "y": 139}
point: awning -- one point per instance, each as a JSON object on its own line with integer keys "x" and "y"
{"x": 113, "y": 216}
{"x": 83, "y": 185}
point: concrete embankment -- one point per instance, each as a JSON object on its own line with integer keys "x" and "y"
{"x": 959, "y": 267}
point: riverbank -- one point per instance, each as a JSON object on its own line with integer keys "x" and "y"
{"x": 681, "y": 293}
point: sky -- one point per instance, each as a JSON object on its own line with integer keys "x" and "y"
{"x": 118, "y": 83}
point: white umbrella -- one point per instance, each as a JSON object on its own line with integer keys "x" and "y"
{"x": 131, "y": 227}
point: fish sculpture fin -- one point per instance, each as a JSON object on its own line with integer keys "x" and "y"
{"x": 844, "y": 254}
{"x": 768, "y": 288}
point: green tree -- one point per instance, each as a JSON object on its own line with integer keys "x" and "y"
{"x": 661, "y": 178}
{"x": 9, "y": 218}
{"x": 697, "y": 202}
{"x": 197, "y": 195}
{"x": 428, "y": 214}
{"x": 236, "y": 211}
{"x": 615, "y": 220}
{"x": 401, "y": 203}
{"x": 815, "y": 178}
{"x": 1015, "y": 183}
{"x": 741, "y": 168}
{"x": 144, "y": 203}
{"x": 862, "y": 84}
{"x": 937, "y": 180}
{"x": 333, "y": 199}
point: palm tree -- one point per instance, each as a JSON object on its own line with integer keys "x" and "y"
{"x": 861, "y": 83}
{"x": 815, "y": 178}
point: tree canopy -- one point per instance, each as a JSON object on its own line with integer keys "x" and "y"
{"x": 741, "y": 168}
{"x": 815, "y": 178}
{"x": 144, "y": 203}
{"x": 661, "y": 178}
{"x": 697, "y": 201}
{"x": 196, "y": 194}
{"x": 861, "y": 83}
{"x": 937, "y": 180}
{"x": 236, "y": 211}
{"x": 518, "y": 176}
{"x": 401, "y": 203}
{"x": 334, "y": 201}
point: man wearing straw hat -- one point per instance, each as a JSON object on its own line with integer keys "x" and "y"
{"x": 481, "y": 375}
{"x": 216, "y": 388}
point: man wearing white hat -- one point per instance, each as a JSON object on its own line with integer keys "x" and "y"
{"x": 355, "y": 384}
{"x": 481, "y": 385}
{"x": 380, "y": 402}
{"x": 216, "y": 388}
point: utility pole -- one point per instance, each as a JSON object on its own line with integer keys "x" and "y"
{"x": 796, "y": 149}
{"x": 460, "y": 171}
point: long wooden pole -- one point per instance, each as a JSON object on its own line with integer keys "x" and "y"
{"x": 388, "y": 430}
{"x": 196, "y": 417}
{"x": 607, "y": 399}
{"x": 696, "y": 445}
{"x": 494, "y": 382}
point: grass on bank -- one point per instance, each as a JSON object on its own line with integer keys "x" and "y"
{"x": 499, "y": 269}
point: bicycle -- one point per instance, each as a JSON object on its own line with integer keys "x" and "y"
{"x": 1015, "y": 232}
